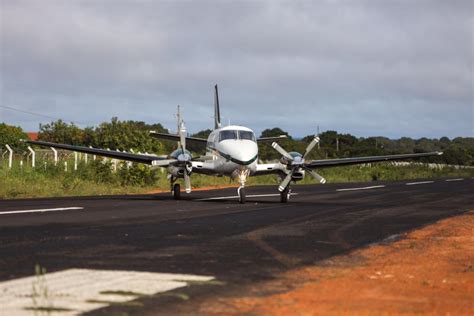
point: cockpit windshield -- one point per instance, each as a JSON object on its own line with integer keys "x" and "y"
{"x": 224, "y": 135}
{"x": 246, "y": 135}
{"x": 229, "y": 134}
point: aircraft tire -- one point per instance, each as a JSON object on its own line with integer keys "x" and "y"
{"x": 242, "y": 196}
{"x": 284, "y": 195}
{"x": 177, "y": 191}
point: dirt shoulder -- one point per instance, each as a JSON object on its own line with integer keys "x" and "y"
{"x": 429, "y": 271}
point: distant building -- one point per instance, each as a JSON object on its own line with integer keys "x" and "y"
{"x": 32, "y": 135}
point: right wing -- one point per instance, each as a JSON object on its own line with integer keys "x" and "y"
{"x": 176, "y": 138}
{"x": 147, "y": 159}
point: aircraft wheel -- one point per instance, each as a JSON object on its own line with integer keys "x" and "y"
{"x": 285, "y": 195}
{"x": 177, "y": 191}
{"x": 242, "y": 197}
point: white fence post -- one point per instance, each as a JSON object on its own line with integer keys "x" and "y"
{"x": 85, "y": 159}
{"x": 65, "y": 166}
{"x": 10, "y": 156}
{"x": 93, "y": 156}
{"x": 55, "y": 155}
{"x": 75, "y": 160}
{"x": 33, "y": 156}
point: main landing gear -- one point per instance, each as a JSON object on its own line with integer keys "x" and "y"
{"x": 243, "y": 174}
{"x": 175, "y": 188}
{"x": 285, "y": 195}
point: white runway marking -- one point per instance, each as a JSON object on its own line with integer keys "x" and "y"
{"x": 421, "y": 182}
{"x": 236, "y": 196}
{"x": 76, "y": 291}
{"x": 43, "y": 210}
{"x": 363, "y": 188}
{"x": 450, "y": 180}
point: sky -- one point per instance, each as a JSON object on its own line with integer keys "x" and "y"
{"x": 370, "y": 68}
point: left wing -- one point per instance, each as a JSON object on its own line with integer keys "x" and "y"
{"x": 147, "y": 159}
{"x": 359, "y": 160}
{"x": 271, "y": 139}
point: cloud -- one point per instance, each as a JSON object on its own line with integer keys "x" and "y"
{"x": 397, "y": 68}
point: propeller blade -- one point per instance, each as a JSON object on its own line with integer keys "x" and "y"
{"x": 182, "y": 137}
{"x": 311, "y": 145}
{"x": 315, "y": 175}
{"x": 284, "y": 184}
{"x": 202, "y": 158}
{"x": 163, "y": 163}
{"x": 282, "y": 151}
{"x": 187, "y": 182}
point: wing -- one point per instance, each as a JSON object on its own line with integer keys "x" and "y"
{"x": 147, "y": 159}
{"x": 359, "y": 160}
{"x": 271, "y": 139}
{"x": 194, "y": 140}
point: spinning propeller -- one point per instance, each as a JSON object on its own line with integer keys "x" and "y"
{"x": 185, "y": 158}
{"x": 296, "y": 162}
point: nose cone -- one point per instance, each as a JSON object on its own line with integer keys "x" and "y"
{"x": 242, "y": 152}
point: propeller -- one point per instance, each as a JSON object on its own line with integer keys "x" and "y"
{"x": 297, "y": 162}
{"x": 185, "y": 157}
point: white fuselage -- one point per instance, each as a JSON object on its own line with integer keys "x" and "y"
{"x": 233, "y": 149}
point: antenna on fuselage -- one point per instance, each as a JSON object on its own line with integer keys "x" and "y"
{"x": 217, "y": 112}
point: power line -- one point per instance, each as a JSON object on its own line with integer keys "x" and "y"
{"x": 38, "y": 114}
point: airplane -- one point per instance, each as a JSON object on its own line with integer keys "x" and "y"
{"x": 231, "y": 151}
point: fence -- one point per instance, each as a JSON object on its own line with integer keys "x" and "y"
{"x": 31, "y": 157}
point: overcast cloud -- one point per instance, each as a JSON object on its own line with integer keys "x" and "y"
{"x": 391, "y": 68}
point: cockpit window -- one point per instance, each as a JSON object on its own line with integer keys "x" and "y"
{"x": 227, "y": 135}
{"x": 246, "y": 135}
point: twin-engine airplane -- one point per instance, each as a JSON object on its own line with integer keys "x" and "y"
{"x": 231, "y": 151}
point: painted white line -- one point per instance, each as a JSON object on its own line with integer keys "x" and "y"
{"x": 236, "y": 196}
{"x": 451, "y": 180}
{"x": 363, "y": 188}
{"x": 43, "y": 210}
{"x": 76, "y": 291}
{"x": 421, "y": 182}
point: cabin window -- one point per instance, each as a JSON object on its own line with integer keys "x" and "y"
{"x": 246, "y": 135}
{"x": 227, "y": 135}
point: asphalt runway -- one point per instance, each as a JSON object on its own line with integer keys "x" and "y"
{"x": 209, "y": 234}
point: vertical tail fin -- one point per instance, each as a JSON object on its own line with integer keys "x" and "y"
{"x": 217, "y": 112}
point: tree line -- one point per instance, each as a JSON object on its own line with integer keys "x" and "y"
{"x": 133, "y": 135}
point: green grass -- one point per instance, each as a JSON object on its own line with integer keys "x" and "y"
{"x": 98, "y": 179}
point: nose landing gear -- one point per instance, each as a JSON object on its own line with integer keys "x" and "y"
{"x": 243, "y": 174}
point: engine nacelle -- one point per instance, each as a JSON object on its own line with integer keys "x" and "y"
{"x": 177, "y": 172}
{"x": 298, "y": 175}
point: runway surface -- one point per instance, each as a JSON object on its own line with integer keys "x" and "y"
{"x": 210, "y": 234}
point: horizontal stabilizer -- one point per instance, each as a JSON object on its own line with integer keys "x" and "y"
{"x": 271, "y": 139}
{"x": 176, "y": 138}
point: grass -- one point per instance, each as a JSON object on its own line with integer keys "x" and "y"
{"x": 98, "y": 179}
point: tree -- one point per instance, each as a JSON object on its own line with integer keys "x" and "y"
{"x": 12, "y": 135}
{"x": 61, "y": 132}
{"x": 273, "y": 132}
